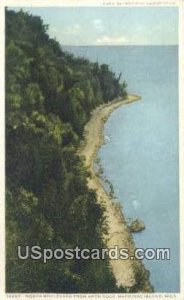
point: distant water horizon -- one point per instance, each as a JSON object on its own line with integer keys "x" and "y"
{"x": 140, "y": 156}
{"x": 67, "y": 47}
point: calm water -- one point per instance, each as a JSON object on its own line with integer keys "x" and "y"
{"x": 141, "y": 157}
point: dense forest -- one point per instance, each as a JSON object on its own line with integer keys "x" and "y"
{"x": 49, "y": 97}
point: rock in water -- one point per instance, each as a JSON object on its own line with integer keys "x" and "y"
{"x": 136, "y": 225}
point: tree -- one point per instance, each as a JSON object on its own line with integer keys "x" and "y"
{"x": 49, "y": 98}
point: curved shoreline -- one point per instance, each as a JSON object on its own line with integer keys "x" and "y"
{"x": 131, "y": 274}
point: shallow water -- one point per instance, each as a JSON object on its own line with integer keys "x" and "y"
{"x": 140, "y": 156}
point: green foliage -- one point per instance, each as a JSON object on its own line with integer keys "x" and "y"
{"x": 49, "y": 97}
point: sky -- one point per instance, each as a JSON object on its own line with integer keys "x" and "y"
{"x": 110, "y": 25}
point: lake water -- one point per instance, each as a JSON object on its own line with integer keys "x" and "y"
{"x": 140, "y": 157}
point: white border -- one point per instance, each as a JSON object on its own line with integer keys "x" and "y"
{"x": 57, "y": 3}
{"x": 181, "y": 140}
{"x": 115, "y": 3}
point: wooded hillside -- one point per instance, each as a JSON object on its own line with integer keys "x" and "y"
{"x": 49, "y": 97}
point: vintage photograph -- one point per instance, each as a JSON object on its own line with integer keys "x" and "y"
{"x": 92, "y": 199}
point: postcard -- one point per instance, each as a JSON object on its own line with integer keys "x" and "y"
{"x": 92, "y": 149}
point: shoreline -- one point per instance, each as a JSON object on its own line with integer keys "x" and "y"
{"x": 131, "y": 274}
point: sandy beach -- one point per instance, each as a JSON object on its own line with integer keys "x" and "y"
{"x": 128, "y": 273}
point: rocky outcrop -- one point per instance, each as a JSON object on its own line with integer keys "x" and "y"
{"x": 136, "y": 225}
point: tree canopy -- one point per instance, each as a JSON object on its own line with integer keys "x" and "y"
{"x": 49, "y": 97}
